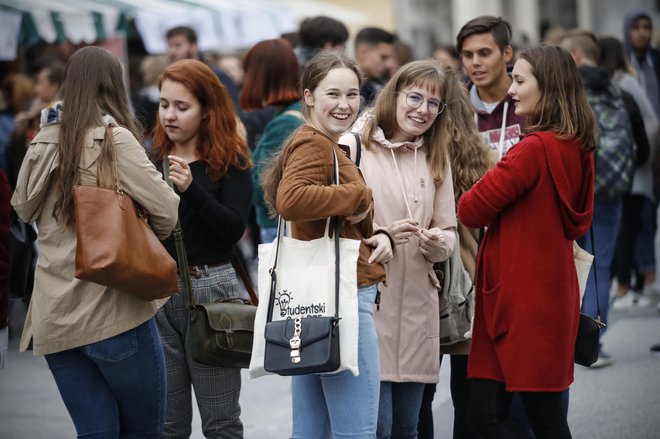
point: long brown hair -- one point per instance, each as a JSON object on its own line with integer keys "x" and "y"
{"x": 317, "y": 69}
{"x": 220, "y": 145}
{"x": 562, "y": 107}
{"x": 93, "y": 86}
{"x": 454, "y": 124}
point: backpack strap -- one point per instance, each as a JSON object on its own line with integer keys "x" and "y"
{"x": 358, "y": 149}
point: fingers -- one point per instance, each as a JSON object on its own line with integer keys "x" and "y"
{"x": 382, "y": 251}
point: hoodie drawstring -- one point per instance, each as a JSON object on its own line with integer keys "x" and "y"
{"x": 415, "y": 179}
{"x": 403, "y": 189}
{"x": 500, "y": 146}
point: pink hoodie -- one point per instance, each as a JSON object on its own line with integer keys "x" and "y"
{"x": 402, "y": 185}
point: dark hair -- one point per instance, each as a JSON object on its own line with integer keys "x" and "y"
{"x": 562, "y": 107}
{"x": 93, "y": 86}
{"x": 497, "y": 26}
{"x": 185, "y": 31}
{"x": 315, "y": 32}
{"x": 373, "y": 35}
{"x": 54, "y": 66}
{"x": 220, "y": 145}
{"x": 272, "y": 74}
{"x": 612, "y": 57}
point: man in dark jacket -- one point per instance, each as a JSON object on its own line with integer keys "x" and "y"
{"x": 614, "y": 163}
{"x": 484, "y": 45}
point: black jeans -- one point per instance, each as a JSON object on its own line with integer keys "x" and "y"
{"x": 460, "y": 395}
{"x": 489, "y": 412}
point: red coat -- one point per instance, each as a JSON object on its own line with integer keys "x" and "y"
{"x": 535, "y": 202}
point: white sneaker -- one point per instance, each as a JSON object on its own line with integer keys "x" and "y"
{"x": 603, "y": 360}
{"x": 631, "y": 300}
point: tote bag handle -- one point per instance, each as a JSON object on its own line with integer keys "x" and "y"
{"x": 335, "y": 231}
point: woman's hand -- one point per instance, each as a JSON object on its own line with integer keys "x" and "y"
{"x": 402, "y": 230}
{"x": 382, "y": 248}
{"x": 358, "y": 217}
{"x": 430, "y": 242}
{"x": 180, "y": 173}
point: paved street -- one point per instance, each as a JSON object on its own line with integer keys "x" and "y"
{"x": 617, "y": 402}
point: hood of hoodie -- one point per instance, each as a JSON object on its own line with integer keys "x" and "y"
{"x": 595, "y": 78}
{"x": 379, "y": 136}
{"x": 627, "y": 21}
{"x": 576, "y": 211}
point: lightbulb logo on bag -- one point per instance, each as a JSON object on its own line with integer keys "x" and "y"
{"x": 289, "y": 310}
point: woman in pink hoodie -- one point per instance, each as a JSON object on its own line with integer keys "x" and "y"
{"x": 405, "y": 161}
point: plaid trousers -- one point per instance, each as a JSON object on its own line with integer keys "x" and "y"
{"x": 217, "y": 389}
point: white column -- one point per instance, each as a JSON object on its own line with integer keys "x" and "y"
{"x": 525, "y": 20}
{"x": 463, "y": 11}
{"x": 585, "y": 15}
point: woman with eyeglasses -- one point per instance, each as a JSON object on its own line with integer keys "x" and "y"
{"x": 404, "y": 158}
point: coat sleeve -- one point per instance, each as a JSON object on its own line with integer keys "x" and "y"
{"x": 304, "y": 193}
{"x": 514, "y": 175}
{"x": 144, "y": 184}
{"x": 443, "y": 221}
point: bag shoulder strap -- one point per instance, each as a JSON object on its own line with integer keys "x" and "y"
{"x": 358, "y": 149}
{"x": 273, "y": 272}
{"x": 182, "y": 257}
{"x": 245, "y": 277}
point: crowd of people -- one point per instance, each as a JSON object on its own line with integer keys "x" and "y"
{"x": 506, "y": 155}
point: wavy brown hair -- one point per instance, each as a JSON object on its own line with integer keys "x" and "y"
{"x": 317, "y": 69}
{"x": 220, "y": 144}
{"x": 562, "y": 107}
{"x": 451, "y": 129}
{"x": 93, "y": 86}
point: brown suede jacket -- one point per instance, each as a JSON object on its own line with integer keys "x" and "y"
{"x": 307, "y": 197}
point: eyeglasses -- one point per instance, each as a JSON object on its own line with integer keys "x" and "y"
{"x": 415, "y": 100}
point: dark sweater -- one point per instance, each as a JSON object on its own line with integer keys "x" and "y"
{"x": 213, "y": 214}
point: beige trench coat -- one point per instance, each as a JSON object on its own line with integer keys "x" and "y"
{"x": 65, "y": 312}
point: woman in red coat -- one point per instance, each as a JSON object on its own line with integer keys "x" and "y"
{"x": 535, "y": 202}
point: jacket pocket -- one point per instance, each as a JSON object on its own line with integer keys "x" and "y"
{"x": 113, "y": 349}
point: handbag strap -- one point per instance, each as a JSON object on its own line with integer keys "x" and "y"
{"x": 593, "y": 248}
{"x": 335, "y": 231}
{"x": 181, "y": 255}
{"x": 110, "y": 145}
{"x": 245, "y": 277}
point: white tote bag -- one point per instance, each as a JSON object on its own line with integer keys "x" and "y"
{"x": 583, "y": 260}
{"x": 306, "y": 287}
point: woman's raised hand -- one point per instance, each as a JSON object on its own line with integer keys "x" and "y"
{"x": 180, "y": 173}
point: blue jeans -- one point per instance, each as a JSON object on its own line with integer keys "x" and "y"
{"x": 607, "y": 217}
{"x": 268, "y": 234}
{"x": 398, "y": 411}
{"x": 114, "y": 388}
{"x": 645, "y": 248}
{"x": 341, "y": 405}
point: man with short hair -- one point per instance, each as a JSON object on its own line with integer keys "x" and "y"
{"x": 614, "y": 167}
{"x": 182, "y": 44}
{"x": 319, "y": 33}
{"x": 484, "y": 46}
{"x": 374, "y": 54}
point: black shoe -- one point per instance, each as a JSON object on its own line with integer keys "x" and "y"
{"x": 655, "y": 350}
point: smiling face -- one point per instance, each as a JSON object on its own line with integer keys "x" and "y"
{"x": 413, "y": 122}
{"x": 333, "y": 105}
{"x": 180, "y": 114}
{"x": 524, "y": 89}
{"x": 484, "y": 61}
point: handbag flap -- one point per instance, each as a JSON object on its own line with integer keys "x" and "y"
{"x": 313, "y": 329}
{"x": 229, "y": 316}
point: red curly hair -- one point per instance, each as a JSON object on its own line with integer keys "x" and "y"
{"x": 220, "y": 143}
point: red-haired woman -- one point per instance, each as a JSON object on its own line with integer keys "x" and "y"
{"x": 272, "y": 75}
{"x": 197, "y": 132}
